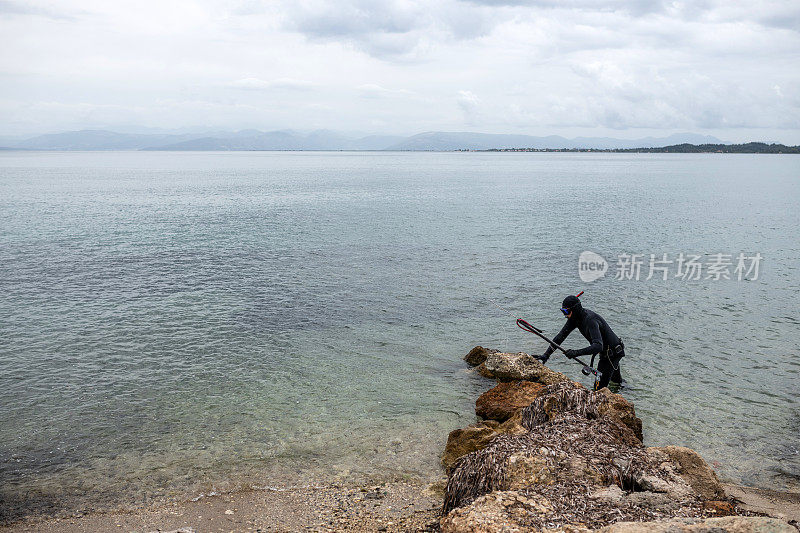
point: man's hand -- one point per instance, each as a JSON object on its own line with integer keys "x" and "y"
{"x": 572, "y": 354}
{"x": 541, "y": 358}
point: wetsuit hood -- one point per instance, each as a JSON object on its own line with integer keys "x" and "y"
{"x": 572, "y": 303}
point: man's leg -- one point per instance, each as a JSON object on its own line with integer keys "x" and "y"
{"x": 616, "y": 375}
{"x": 605, "y": 369}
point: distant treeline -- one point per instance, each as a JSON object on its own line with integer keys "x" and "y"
{"x": 686, "y": 148}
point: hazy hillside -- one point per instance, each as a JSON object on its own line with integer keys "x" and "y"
{"x": 98, "y": 140}
{"x": 331, "y": 140}
{"x": 284, "y": 140}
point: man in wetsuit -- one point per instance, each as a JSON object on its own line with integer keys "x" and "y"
{"x": 598, "y": 333}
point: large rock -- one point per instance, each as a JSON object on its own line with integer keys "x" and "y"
{"x": 475, "y": 437}
{"x": 498, "y": 512}
{"x": 523, "y": 471}
{"x": 518, "y": 366}
{"x": 552, "y": 454}
{"x": 501, "y": 402}
{"x": 510, "y": 512}
{"x": 666, "y": 482}
{"x": 572, "y": 454}
{"x": 463, "y": 441}
{"x": 613, "y": 497}
{"x": 728, "y": 524}
{"x": 477, "y": 355}
{"x": 618, "y": 408}
{"x": 512, "y": 426}
{"x": 568, "y": 398}
{"x": 693, "y": 470}
{"x": 523, "y": 512}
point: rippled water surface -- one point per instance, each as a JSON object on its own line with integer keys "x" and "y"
{"x": 178, "y": 323}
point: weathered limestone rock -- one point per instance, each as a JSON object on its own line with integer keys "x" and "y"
{"x": 504, "y": 512}
{"x": 673, "y": 486}
{"x": 728, "y": 524}
{"x": 615, "y": 406}
{"x": 497, "y": 512}
{"x": 518, "y": 366}
{"x": 512, "y": 426}
{"x": 552, "y": 454}
{"x": 652, "y": 500}
{"x": 501, "y": 402}
{"x": 463, "y": 441}
{"x": 581, "y": 468}
{"x": 572, "y": 454}
{"x": 693, "y": 470}
{"x": 557, "y": 401}
{"x": 614, "y": 497}
{"x": 523, "y": 471}
{"x": 477, "y": 436}
{"x": 610, "y": 495}
{"x": 477, "y": 355}
{"x": 568, "y": 398}
{"x": 483, "y": 372}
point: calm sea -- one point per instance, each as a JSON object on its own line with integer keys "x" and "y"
{"x": 177, "y": 323}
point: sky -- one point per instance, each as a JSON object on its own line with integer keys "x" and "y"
{"x": 619, "y": 68}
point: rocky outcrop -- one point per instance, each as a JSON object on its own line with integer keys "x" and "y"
{"x": 568, "y": 459}
{"x": 501, "y": 402}
{"x": 615, "y": 406}
{"x": 463, "y": 441}
{"x": 508, "y": 512}
{"x": 568, "y": 398}
{"x": 477, "y": 355}
{"x": 693, "y": 470}
{"x": 577, "y": 454}
{"x": 518, "y": 366}
{"x": 477, "y": 436}
{"x": 498, "y": 512}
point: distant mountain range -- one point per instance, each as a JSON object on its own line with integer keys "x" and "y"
{"x": 239, "y": 140}
{"x": 331, "y": 140}
{"x": 445, "y": 141}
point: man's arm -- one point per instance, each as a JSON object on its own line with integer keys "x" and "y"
{"x": 559, "y": 338}
{"x": 597, "y": 342}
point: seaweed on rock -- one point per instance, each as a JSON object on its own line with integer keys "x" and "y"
{"x": 559, "y": 400}
{"x": 568, "y": 450}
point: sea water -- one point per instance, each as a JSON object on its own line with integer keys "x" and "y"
{"x": 177, "y": 323}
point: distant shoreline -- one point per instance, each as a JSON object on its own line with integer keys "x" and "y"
{"x": 686, "y": 148}
{"x": 748, "y": 148}
{"x": 328, "y": 140}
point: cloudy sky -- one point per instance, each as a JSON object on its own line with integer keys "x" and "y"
{"x": 623, "y": 68}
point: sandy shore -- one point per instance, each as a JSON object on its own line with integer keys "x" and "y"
{"x": 778, "y": 504}
{"x": 389, "y": 507}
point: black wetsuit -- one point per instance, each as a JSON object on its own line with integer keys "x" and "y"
{"x": 603, "y": 341}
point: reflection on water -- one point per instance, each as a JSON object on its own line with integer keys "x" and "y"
{"x": 176, "y": 323}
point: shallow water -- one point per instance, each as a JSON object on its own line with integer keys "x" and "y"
{"x": 172, "y": 323}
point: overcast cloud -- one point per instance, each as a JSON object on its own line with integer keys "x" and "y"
{"x": 624, "y": 68}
